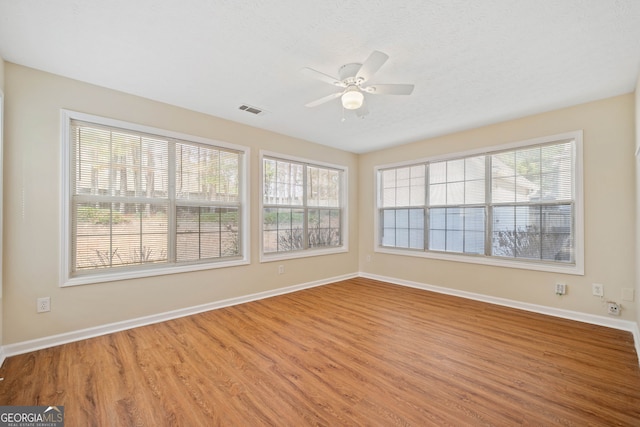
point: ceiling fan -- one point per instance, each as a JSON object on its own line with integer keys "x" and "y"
{"x": 352, "y": 80}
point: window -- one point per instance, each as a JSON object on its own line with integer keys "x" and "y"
{"x": 518, "y": 205}
{"x": 456, "y": 196}
{"x": 143, "y": 201}
{"x": 403, "y": 192}
{"x": 302, "y": 208}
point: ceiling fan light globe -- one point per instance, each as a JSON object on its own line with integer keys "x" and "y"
{"x": 352, "y": 99}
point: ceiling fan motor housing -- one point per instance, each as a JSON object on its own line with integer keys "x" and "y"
{"x": 348, "y": 73}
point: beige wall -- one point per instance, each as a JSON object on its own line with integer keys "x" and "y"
{"x": 609, "y": 211}
{"x": 1, "y": 139}
{"x": 32, "y": 212}
{"x": 637, "y": 157}
{"x": 1, "y": 74}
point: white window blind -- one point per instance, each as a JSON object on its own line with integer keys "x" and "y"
{"x": 140, "y": 201}
{"x": 302, "y": 206}
{"x": 403, "y": 189}
{"x": 533, "y": 202}
{"x": 207, "y": 202}
{"x": 516, "y": 203}
{"x": 456, "y": 200}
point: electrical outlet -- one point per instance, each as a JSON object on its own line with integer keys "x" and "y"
{"x": 613, "y": 308}
{"x": 281, "y": 269}
{"x": 561, "y": 289}
{"x": 368, "y": 258}
{"x": 43, "y": 305}
{"x": 597, "y": 289}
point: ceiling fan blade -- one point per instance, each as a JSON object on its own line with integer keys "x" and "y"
{"x": 322, "y": 77}
{"x": 371, "y": 65}
{"x": 323, "y": 99}
{"x": 389, "y": 89}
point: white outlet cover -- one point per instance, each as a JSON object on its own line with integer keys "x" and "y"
{"x": 613, "y": 308}
{"x": 597, "y": 289}
{"x": 43, "y": 305}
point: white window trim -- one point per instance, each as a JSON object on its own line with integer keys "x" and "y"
{"x": 577, "y": 269}
{"x": 66, "y": 279}
{"x": 280, "y": 256}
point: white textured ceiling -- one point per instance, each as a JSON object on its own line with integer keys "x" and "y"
{"x": 472, "y": 62}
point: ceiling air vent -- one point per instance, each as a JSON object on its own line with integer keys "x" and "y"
{"x": 251, "y": 109}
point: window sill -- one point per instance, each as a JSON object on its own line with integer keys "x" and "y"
{"x": 575, "y": 269}
{"x": 281, "y": 256}
{"x": 126, "y": 274}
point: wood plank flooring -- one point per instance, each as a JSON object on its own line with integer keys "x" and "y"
{"x": 357, "y": 352}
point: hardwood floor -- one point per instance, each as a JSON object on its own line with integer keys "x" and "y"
{"x": 358, "y": 352}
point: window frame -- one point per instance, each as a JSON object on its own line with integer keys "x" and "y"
{"x": 344, "y": 208}
{"x": 576, "y": 268}
{"x": 67, "y": 276}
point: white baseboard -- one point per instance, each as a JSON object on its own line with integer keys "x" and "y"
{"x": 54, "y": 340}
{"x": 636, "y": 339}
{"x": 624, "y": 325}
